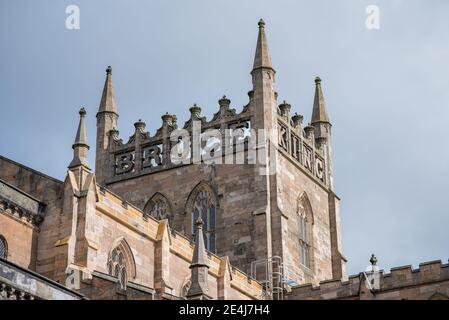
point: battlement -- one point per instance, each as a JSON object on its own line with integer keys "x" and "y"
{"x": 398, "y": 278}
{"x": 145, "y": 153}
{"x": 227, "y": 132}
{"x": 301, "y": 145}
{"x": 431, "y": 271}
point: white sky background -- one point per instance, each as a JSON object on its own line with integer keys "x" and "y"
{"x": 386, "y": 92}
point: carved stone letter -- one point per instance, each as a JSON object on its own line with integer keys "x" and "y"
{"x": 124, "y": 163}
{"x": 319, "y": 169}
{"x": 150, "y": 154}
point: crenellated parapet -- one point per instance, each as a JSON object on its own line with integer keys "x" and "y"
{"x": 380, "y": 285}
{"x": 144, "y": 153}
{"x": 300, "y": 144}
{"x": 431, "y": 271}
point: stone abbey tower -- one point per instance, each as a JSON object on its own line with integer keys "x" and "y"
{"x": 282, "y": 209}
{"x": 241, "y": 206}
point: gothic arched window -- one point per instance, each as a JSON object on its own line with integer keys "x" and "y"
{"x": 205, "y": 206}
{"x": 159, "y": 208}
{"x": 121, "y": 263}
{"x": 185, "y": 288}
{"x": 3, "y": 248}
{"x": 305, "y": 234}
{"x": 304, "y": 241}
{"x": 117, "y": 267}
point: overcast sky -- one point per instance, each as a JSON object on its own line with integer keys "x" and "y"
{"x": 387, "y": 93}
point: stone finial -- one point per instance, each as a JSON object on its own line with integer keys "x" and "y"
{"x": 195, "y": 110}
{"x": 317, "y": 80}
{"x": 373, "y": 260}
{"x": 224, "y": 105}
{"x": 167, "y": 119}
{"x": 261, "y": 23}
{"x": 310, "y": 131}
{"x": 139, "y": 125}
{"x": 199, "y": 224}
{"x": 297, "y": 120}
{"x": 80, "y": 146}
{"x": 224, "y": 102}
{"x": 321, "y": 142}
{"x": 114, "y": 133}
{"x": 285, "y": 108}
{"x": 109, "y": 70}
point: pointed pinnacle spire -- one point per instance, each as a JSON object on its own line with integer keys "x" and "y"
{"x": 262, "y": 57}
{"x": 107, "y": 103}
{"x": 81, "y": 134}
{"x": 199, "y": 266}
{"x": 200, "y": 258}
{"x": 80, "y": 146}
{"x": 319, "y": 113}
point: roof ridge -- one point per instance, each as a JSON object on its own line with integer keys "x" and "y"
{"x": 30, "y": 169}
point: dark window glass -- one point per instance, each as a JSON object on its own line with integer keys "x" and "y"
{"x": 3, "y": 248}
{"x": 212, "y": 242}
{"x": 205, "y": 205}
{"x": 212, "y": 219}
